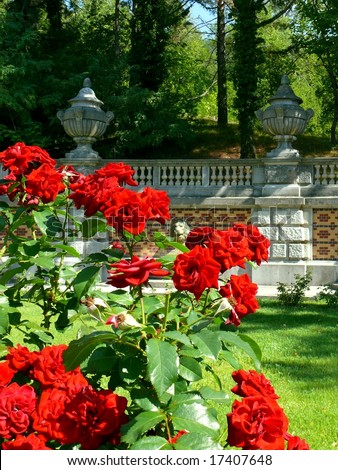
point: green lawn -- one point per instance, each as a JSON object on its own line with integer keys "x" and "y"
{"x": 299, "y": 357}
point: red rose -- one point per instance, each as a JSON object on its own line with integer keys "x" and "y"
{"x": 6, "y": 373}
{"x": 199, "y": 236}
{"x": 21, "y": 159}
{"x": 20, "y": 358}
{"x": 94, "y": 193}
{"x": 121, "y": 171}
{"x": 257, "y": 422}
{"x": 47, "y": 416}
{"x": 258, "y": 244}
{"x": 128, "y": 211}
{"x": 134, "y": 272}
{"x": 229, "y": 248}
{"x": 241, "y": 293}
{"x": 158, "y": 204}
{"x": 30, "y": 442}
{"x": 196, "y": 271}
{"x": 45, "y": 183}
{"x": 49, "y": 369}
{"x": 16, "y": 407}
{"x": 70, "y": 175}
{"x": 92, "y": 418}
{"x": 251, "y": 383}
{"x": 296, "y": 443}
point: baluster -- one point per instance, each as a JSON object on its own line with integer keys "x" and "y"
{"x": 325, "y": 174}
{"x": 141, "y": 175}
{"x": 171, "y": 177}
{"x": 164, "y": 176}
{"x": 213, "y": 176}
{"x": 316, "y": 176}
{"x": 226, "y": 178}
{"x": 220, "y": 176}
{"x": 247, "y": 175}
{"x": 240, "y": 179}
{"x": 190, "y": 176}
{"x": 198, "y": 176}
{"x": 184, "y": 178}
{"x": 332, "y": 175}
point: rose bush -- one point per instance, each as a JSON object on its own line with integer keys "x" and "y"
{"x": 130, "y": 377}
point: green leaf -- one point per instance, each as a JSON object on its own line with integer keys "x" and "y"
{"x": 145, "y": 399}
{"x": 230, "y": 358}
{"x": 68, "y": 249}
{"x": 103, "y": 359}
{"x": 92, "y": 226}
{"x": 130, "y": 368}
{"x": 217, "y": 396}
{"x": 164, "y": 242}
{"x": 152, "y": 304}
{"x": 207, "y": 343}
{"x": 185, "y": 398}
{"x": 4, "y": 320}
{"x": 196, "y": 441}
{"x": 233, "y": 339}
{"x": 190, "y": 369}
{"x": 121, "y": 297}
{"x": 31, "y": 247}
{"x": 162, "y": 365}
{"x": 80, "y": 349}
{"x": 195, "y": 417}
{"x": 84, "y": 280}
{"x": 139, "y": 425}
{"x": 47, "y": 223}
{"x": 255, "y": 347}
{"x": 10, "y": 273}
{"x": 151, "y": 443}
{"x": 44, "y": 262}
{"x": 178, "y": 336}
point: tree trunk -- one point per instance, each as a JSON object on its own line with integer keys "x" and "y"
{"x": 222, "y": 101}
{"x": 117, "y": 29}
{"x": 335, "y": 119}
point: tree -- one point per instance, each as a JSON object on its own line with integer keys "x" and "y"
{"x": 152, "y": 24}
{"x": 248, "y": 56}
{"x": 316, "y": 31}
{"x": 222, "y": 102}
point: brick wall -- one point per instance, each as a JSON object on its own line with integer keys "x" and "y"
{"x": 325, "y": 234}
{"x": 324, "y": 226}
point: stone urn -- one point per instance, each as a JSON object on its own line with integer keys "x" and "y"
{"x": 85, "y": 121}
{"x": 284, "y": 119}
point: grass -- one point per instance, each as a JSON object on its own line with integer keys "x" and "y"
{"x": 299, "y": 357}
{"x": 210, "y": 141}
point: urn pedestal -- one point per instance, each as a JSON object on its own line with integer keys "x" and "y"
{"x": 85, "y": 122}
{"x": 284, "y": 119}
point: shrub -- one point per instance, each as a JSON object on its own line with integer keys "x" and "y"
{"x": 329, "y": 296}
{"x": 294, "y": 293}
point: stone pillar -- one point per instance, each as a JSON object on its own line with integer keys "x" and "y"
{"x": 287, "y": 223}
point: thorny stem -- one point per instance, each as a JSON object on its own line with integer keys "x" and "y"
{"x": 144, "y": 317}
{"x": 166, "y": 311}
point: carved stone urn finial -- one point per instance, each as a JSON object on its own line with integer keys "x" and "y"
{"x": 284, "y": 119}
{"x": 85, "y": 121}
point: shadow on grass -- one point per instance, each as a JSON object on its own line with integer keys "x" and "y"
{"x": 302, "y": 341}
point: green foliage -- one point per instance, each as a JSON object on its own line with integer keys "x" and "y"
{"x": 46, "y": 51}
{"x": 329, "y": 296}
{"x": 247, "y": 59}
{"x": 145, "y": 120}
{"x": 294, "y": 293}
